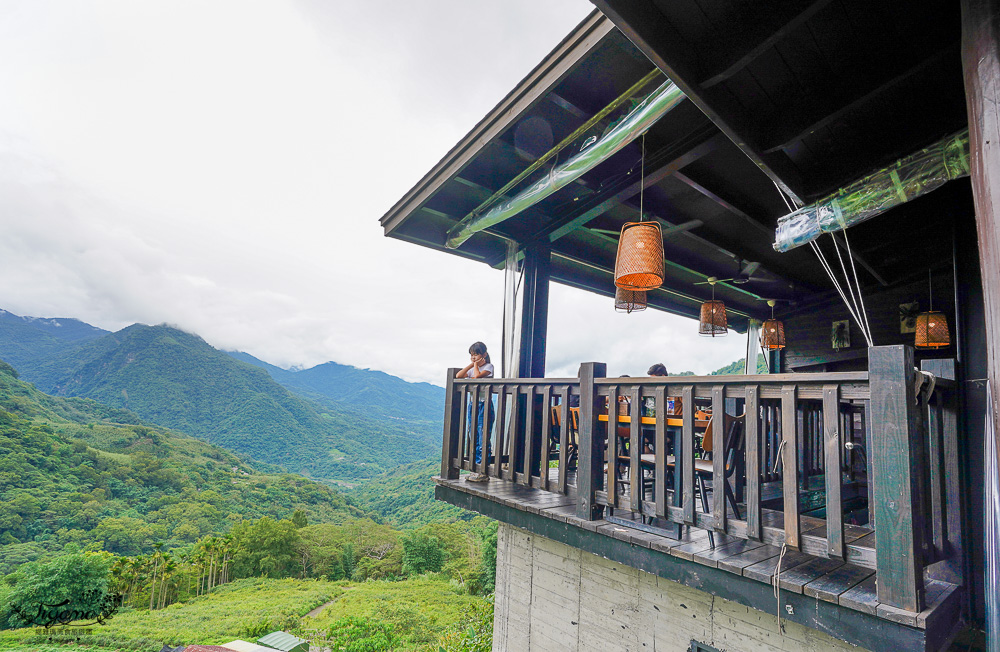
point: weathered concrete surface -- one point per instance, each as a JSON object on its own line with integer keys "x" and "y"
{"x": 550, "y": 596}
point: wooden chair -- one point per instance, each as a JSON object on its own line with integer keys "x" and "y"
{"x": 735, "y": 442}
{"x": 555, "y": 434}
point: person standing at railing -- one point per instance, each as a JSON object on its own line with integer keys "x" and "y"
{"x": 479, "y": 367}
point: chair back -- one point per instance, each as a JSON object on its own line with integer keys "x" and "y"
{"x": 708, "y": 438}
{"x": 734, "y": 436}
{"x": 556, "y": 418}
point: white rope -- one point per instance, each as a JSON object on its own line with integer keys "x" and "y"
{"x": 776, "y": 584}
{"x": 833, "y": 277}
{"x": 777, "y": 456}
{"x": 850, "y": 290}
{"x": 858, "y": 283}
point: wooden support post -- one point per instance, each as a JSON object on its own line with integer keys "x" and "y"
{"x": 452, "y": 419}
{"x": 719, "y": 450}
{"x": 660, "y": 451}
{"x": 534, "y": 310}
{"x": 981, "y": 71}
{"x": 790, "y": 465}
{"x": 753, "y": 433}
{"x": 833, "y": 445}
{"x": 685, "y": 461}
{"x": 589, "y": 466}
{"x": 897, "y": 464}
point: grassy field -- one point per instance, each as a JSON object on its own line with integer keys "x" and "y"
{"x": 419, "y": 611}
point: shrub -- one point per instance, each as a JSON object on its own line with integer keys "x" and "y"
{"x": 361, "y": 634}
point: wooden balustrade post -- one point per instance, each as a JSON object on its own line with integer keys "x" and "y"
{"x": 452, "y": 431}
{"x": 590, "y": 458}
{"x": 897, "y": 464}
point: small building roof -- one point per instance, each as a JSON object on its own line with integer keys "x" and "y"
{"x": 285, "y": 642}
{"x": 246, "y": 646}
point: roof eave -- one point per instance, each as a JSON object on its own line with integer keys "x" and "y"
{"x": 546, "y": 75}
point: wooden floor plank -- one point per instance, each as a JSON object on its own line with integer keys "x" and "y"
{"x": 736, "y": 563}
{"x": 795, "y": 578}
{"x": 712, "y": 556}
{"x": 863, "y": 597}
{"x": 830, "y": 586}
{"x": 762, "y": 571}
{"x": 688, "y": 550}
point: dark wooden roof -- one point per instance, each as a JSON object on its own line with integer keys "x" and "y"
{"x": 807, "y": 95}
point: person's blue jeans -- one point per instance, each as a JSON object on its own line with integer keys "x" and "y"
{"x": 479, "y": 428}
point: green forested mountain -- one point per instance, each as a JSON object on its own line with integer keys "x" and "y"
{"x": 176, "y": 379}
{"x": 26, "y": 340}
{"x": 362, "y": 391}
{"x": 73, "y": 471}
{"x": 405, "y": 496}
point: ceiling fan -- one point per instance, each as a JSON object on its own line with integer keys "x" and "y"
{"x": 745, "y": 270}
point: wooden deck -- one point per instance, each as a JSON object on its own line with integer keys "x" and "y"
{"x": 835, "y": 581}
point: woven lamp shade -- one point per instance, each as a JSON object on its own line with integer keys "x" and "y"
{"x": 639, "y": 265}
{"x": 630, "y": 300}
{"x": 713, "y": 319}
{"x": 932, "y": 331}
{"x": 772, "y": 335}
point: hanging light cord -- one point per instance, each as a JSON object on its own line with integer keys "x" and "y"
{"x": 642, "y": 175}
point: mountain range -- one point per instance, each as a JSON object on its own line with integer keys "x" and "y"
{"x": 331, "y": 422}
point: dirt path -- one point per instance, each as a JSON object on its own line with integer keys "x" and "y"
{"x": 318, "y": 610}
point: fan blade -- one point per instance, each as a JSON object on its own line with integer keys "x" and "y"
{"x": 717, "y": 280}
{"x": 748, "y": 268}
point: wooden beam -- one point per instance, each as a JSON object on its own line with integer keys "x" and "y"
{"x": 567, "y": 106}
{"x": 749, "y": 221}
{"x": 650, "y": 31}
{"x": 746, "y": 46}
{"x": 810, "y": 113}
{"x": 663, "y": 163}
{"x": 981, "y": 69}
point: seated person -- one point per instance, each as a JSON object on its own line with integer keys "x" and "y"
{"x": 658, "y": 369}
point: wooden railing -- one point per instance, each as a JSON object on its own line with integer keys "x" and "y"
{"x": 774, "y": 439}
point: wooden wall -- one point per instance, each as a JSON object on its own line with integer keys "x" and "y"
{"x": 808, "y": 326}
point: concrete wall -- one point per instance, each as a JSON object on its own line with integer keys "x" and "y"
{"x": 550, "y": 596}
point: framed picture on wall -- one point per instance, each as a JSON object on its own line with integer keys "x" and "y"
{"x": 840, "y": 335}
{"x": 908, "y": 317}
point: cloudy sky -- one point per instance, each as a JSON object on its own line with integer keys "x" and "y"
{"x": 221, "y": 166}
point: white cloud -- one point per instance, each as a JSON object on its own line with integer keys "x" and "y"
{"x": 222, "y": 166}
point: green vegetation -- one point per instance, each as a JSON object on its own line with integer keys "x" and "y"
{"x": 405, "y": 496}
{"x": 69, "y": 588}
{"x": 407, "y": 615}
{"x": 737, "y": 367}
{"x": 73, "y": 472}
{"x": 175, "y": 379}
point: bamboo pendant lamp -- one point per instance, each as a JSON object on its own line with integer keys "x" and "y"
{"x": 932, "y": 331}
{"x": 713, "y": 317}
{"x": 772, "y": 333}
{"x": 639, "y": 263}
{"x": 932, "y": 325}
{"x": 630, "y": 300}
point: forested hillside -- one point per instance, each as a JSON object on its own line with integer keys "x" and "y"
{"x": 175, "y": 379}
{"x": 73, "y": 471}
{"x": 363, "y": 389}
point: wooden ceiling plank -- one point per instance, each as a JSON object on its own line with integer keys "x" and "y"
{"x": 652, "y": 33}
{"x": 768, "y": 34}
{"x": 857, "y": 91}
